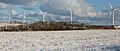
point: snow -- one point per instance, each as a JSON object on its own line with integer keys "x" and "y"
{"x": 9, "y": 24}
{"x": 77, "y": 40}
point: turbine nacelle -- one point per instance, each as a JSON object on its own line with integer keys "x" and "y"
{"x": 114, "y": 9}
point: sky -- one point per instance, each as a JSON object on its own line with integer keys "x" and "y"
{"x": 103, "y": 4}
{"x": 85, "y": 11}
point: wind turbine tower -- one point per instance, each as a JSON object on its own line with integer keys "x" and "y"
{"x": 9, "y": 17}
{"x": 24, "y": 17}
{"x": 71, "y": 15}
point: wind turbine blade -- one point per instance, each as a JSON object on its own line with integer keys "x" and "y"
{"x": 46, "y": 12}
{"x": 40, "y": 10}
{"x": 29, "y": 17}
{"x": 110, "y": 5}
{"x": 24, "y": 14}
{"x": 53, "y": 18}
{"x": 5, "y": 17}
{"x": 9, "y": 14}
{"x": 110, "y": 14}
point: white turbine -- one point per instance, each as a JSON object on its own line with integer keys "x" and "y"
{"x": 9, "y": 17}
{"x": 112, "y": 13}
{"x": 43, "y": 15}
{"x": 71, "y": 15}
{"x": 53, "y": 18}
{"x": 24, "y": 17}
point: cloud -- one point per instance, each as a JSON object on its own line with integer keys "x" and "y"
{"x": 2, "y": 15}
{"x": 20, "y": 2}
{"x": 27, "y": 8}
{"x": 3, "y": 5}
{"x": 13, "y": 12}
{"x": 61, "y": 7}
{"x": 33, "y": 14}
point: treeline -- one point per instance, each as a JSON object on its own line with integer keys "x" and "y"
{"x": 53, "y": 26}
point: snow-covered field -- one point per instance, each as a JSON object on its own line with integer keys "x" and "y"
{"x": 9, "y": 24}
{"x": 79, "y": 40}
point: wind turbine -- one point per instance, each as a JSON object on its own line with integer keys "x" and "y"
{"x": 112, "y": 13}
{"x": 9, "y": 17}
{"x": 24, "y": 17}
{"x": 53, "y": 18}
{"x": 71, "y": 15}
{"x": 43, "y": 15}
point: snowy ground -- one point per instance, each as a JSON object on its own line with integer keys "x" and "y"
{"x": 9, "y": 24}
{"x": 81, "y": 40}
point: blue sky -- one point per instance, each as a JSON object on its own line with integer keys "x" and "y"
{"x": 85, "y": 11}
